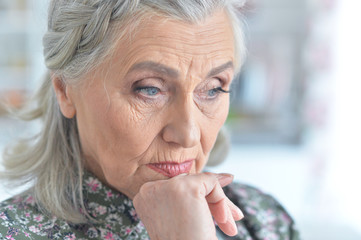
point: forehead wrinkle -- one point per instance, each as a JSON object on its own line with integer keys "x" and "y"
{"x": 211, "y": 33}
{"x": 182, "y": 50}
{"x": 216, "y": 39}
{"x": 206, "y": 37}
{"x": 217, "y": 31}
{"x": 157, "y": 51}
{"x": 182, "y": 41}
{"x": 189, "y": 72}
{"x": 218, "y": 19}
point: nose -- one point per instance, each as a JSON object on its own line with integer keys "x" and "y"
{"x": 182, "y": 127}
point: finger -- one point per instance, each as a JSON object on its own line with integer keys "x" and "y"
{"x": 223, "y": 216}
{"x": 218, "y": 205}
{"x": 223, "y": 213}
{"x": 224, "y": 179}
{"x": 210, "y": 188}
{"x": 229, "y": 227}
{"x": 221, "y": 210}
{"x": 236, "y": 212}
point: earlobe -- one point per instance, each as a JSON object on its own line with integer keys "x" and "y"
{"x": 62, "y": 95}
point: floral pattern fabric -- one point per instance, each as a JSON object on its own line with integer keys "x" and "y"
{"x": 21, "y": 219}
{"x": 264, "y": 217}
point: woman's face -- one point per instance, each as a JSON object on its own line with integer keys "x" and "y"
{"x": 154, "y": 109}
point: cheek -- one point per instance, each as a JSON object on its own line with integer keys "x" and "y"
{"x": 126, "y": 132}
{"x": 211, "y": 130}
{"x": 111, "y": 132}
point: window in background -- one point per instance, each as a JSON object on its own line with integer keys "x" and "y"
{"x": 14, "y": 58}
{"x": 22, "y": 23}
{"x": 267, "y": 97}
{"x": 21, "y": 30}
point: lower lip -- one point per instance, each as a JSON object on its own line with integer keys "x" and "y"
{"x": 170, "y": 169}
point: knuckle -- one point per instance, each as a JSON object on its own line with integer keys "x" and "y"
{"x": 146, "y": 188}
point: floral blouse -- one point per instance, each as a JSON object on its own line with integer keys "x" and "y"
{"x": 20, "y": 218}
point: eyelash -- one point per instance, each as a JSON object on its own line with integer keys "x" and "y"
{"x": 220, "y": 89}
{"x": 209, "y": 95}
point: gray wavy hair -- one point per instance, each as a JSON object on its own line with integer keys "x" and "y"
{"x": 81, "y": 34}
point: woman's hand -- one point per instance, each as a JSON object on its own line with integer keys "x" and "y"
{"x": 182, "y": 207}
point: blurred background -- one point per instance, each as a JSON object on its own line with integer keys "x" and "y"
{"x": 295, "y": 116}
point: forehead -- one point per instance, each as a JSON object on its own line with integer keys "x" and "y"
{"x": 175, "y": 43}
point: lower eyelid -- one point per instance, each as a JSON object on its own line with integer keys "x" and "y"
{"x": 149, "y": 102}
{"x": 208, "y": 98}
{"x": 154, "y": 100}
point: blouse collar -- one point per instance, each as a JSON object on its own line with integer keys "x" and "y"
{"x": 110, "y": 208}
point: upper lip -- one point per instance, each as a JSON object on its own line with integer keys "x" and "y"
{"x": 173, "y": 162}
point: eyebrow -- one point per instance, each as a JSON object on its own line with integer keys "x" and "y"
{"x": 155, "y": 67}
{"x": 218, "y": 70}
{"x": 173, "y": 73}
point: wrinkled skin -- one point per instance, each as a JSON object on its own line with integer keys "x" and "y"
{"x": 157, "y": 99}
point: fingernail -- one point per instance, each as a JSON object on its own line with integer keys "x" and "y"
{"x": 224, "y": 178}
{"x": 240, "y": 213}
{"x": 234, "y": 226}
{"x": 224, "y": 175}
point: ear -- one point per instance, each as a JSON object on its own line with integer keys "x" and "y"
{"x": 62, "y": 95}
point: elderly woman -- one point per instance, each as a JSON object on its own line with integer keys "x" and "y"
{"x": 136, "y": 96}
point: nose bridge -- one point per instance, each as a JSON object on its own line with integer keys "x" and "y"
{"x": 182, "y": 127}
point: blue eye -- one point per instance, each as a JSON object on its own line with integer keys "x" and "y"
{"x": 213, "y": 92}
{"x": 149, "y": 91}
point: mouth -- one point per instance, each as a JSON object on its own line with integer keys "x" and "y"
{"x": 171, "y": 169}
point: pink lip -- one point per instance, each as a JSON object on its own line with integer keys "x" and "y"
{"x": 171, "y": 169}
